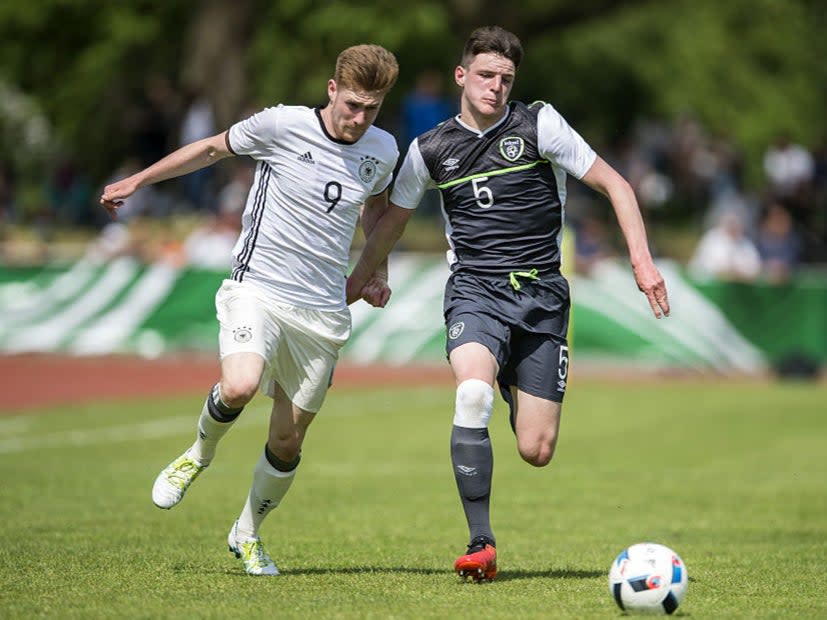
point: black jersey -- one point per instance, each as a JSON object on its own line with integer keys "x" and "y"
{"x": 503, "y": 190}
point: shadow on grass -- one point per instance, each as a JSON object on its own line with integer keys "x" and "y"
{"x": 556, "y": 573}
{"x": 505, "y": 575}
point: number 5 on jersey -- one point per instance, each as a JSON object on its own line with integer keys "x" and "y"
{"x": 483, "y": 194}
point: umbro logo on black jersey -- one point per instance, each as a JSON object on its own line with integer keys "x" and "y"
{"x": 307, "y": 158}
{"x": 451, "y": 164}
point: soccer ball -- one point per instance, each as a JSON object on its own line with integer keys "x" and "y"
{"x": 648, "y": 578}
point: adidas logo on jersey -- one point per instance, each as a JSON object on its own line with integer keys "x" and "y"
{"x": 307, "y": 158}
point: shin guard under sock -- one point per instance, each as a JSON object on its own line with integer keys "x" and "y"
{"x": 473, "y": 461}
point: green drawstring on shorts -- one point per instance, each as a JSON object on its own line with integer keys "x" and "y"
{"x": 529, "y": 275}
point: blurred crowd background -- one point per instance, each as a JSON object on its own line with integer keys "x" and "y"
{"x": 715, "y": 111}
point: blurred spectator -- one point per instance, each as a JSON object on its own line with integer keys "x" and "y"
{"x": 778, "y": 244}
{"x": 114, "y": 239}
{"x": 422, "y": 109}
{"x": 591, "y": 244}
{"x": 7, "y": 205}
{"x": 687, "y": 162}
{"x": 198, "y": 123}
{"x": 7, "y": 193}
{"x": 731, "y": 201}
{"x": 233, "y": 196}
{"x": 210, "y": 245}
{"x": 788, "y": 166}
{"x": 725, "y": 252}
{"x": 153, "y": 120}
{"x": 425, "y": 106}
{"x": 69, "y": 193}
{"x": 145, "y": 201}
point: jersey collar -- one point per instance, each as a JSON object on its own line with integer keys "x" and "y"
{"x": 479, "y": 133}
{"x": 318, "y": 112}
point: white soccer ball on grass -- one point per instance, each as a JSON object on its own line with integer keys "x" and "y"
{"x": 648, "y": 578}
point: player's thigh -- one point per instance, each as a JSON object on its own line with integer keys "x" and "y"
{"x": 477, "y": 315}
{"x": 240, "y": 375}
{"x": 477, "y": 343}
{"x": 307, "y": 354}
{"x": 538, "y": 365}
{"x": 473, "y": 360}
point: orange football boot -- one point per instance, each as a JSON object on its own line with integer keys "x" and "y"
{"x": 480, "y": 563}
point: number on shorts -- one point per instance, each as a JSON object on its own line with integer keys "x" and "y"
{"x": 563, "y": 363}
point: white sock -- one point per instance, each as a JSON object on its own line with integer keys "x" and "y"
{"x": 269, "y": 487}
{"x": 210, "y": 432}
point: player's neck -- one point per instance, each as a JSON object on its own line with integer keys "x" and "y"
{"x": 327, "y": 121}
{"x": 481, "y": 122}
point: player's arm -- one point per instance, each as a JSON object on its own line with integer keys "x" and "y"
{"x": 188, "y": 158}
{"x": 411, "y": 183}
{"x": 376, "y": 291}
{"x": 385, "y": 233}
{"x": 606, "y": 180}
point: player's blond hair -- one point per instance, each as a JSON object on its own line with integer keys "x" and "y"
{"x": 368, "y": 68}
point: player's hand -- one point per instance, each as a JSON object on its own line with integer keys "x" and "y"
{"x": 114, "y": 195}
{"x": 651, "y": 284}
{"x": 376, "y": 292}
{"x": 353, "y": 290}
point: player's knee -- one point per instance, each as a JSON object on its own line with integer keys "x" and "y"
{"x": 537, "y": 451}
{"x": 474, "y": 404}
{"x": 285, "y": 445}
{"x": 239, "y": 391}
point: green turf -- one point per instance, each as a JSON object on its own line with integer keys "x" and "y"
{"x": 738, "y": 486}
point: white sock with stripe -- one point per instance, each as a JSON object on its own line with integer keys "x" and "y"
{"x": 268, "y": 489}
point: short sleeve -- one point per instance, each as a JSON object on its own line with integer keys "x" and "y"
{"x": 413, "y": 179}
{"x": 561, "y": 144}
{"x": 254, "y": 136}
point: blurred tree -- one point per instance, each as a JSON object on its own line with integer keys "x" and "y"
{"x": 87, "y": 64}
{"x": 215, "y": 55}
{"x": 746, "y": 68}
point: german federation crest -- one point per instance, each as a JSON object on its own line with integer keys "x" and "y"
{"x": 512, "y": 147}
{"x": 367, "y": 169}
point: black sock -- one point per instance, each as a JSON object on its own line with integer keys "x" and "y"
{"x": 277, "y": 463}
{"x": 473, "y": 461}
{"x": 219, "y": 410}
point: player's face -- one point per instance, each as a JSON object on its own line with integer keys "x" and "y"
{"x": 486, "y": 83}
{"x": 350, "y": 112}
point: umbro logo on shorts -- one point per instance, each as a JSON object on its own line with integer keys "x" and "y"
{"x": 306, "y": 158}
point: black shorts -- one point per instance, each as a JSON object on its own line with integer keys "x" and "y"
{"x": 524, "y": 329}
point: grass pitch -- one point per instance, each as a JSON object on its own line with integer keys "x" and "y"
{"x": 733, "y": 477}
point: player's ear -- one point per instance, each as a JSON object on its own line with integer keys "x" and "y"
{"x": 331, "y": 89}
{"x": 459, "y": 76}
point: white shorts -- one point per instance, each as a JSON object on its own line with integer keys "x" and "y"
{"x": 300, "y": 346}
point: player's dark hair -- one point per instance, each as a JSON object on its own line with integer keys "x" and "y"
{"x": 492, "y": 40}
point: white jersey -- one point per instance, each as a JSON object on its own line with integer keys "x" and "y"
{"x": 304, "y": 204}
